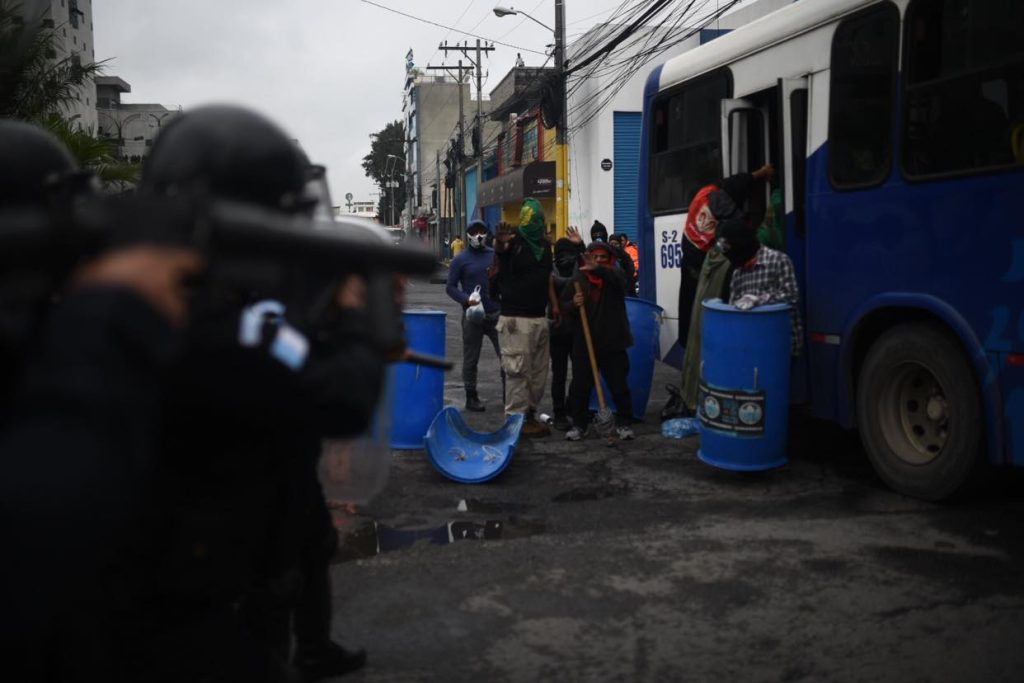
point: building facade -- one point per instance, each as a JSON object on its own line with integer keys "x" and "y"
{"x": 523, "y": 154}
{"x": 133, "y": 126}
{"x": 72, "y": 23}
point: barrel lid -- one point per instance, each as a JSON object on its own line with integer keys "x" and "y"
{"x": 417, "y": 311}
{"x": 719, "y": 305}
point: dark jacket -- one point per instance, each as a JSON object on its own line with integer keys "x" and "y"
{"x": 466, "y": 271}
{"x": 78, "y": 458}
{"x": 609, "y": 326}
{"x": 564, "y": 248}
{"x": 519, "y": 282}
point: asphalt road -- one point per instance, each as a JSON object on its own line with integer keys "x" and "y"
{"x": 637, "y": 562}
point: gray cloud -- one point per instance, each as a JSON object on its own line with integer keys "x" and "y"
{"x": 328, "y": 71}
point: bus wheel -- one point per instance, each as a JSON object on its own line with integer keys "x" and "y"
{"x": 919, "y": 412}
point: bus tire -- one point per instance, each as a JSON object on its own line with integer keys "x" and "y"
{"x": 919, "y": 412}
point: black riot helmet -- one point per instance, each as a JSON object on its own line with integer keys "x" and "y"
{"x": 231, "y": 153}
{"x": 35, "y": 168}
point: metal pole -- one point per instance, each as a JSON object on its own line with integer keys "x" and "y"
{"x": 440, "y": 194}
{"x": 562, "y": 134}
{"x": 479, "y": 124}
{"x": 460, "y": 152}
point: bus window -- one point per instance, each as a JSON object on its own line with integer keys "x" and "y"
{"x": 864, "y": 53}
{"x": 686, "y": 151}
{"x": 964, "y": 86}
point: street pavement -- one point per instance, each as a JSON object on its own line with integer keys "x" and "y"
{"x": 637, "y": 562}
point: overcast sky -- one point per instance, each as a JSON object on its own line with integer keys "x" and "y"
{"x": 330, "y": 72}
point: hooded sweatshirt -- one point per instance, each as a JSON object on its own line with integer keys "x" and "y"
{"x": 466, "y": 271}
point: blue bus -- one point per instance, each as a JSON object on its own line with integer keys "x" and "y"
{"x": 897, "y": 130}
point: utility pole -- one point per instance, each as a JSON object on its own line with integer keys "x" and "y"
{"x": 459, "y": 71}
{"x": 478, "y": 64}
{"x": 562, "y": 134}
{"x": 440, "y": 194}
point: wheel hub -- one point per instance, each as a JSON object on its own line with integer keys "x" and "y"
{"x": 915, "y": 414}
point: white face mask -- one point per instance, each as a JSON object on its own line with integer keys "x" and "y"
{"x": 476, "y": 241}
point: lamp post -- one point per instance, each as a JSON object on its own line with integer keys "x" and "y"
{"x": 561, "y": 133}
{"x": 394, "y": 183}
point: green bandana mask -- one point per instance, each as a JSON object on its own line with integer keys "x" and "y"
{"x": 531, "y": 226}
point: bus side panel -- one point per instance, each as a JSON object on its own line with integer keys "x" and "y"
{"x": 948, "y": 241}
{"x": 645, "y": 221}
{"x": 660, "y": 241}
{"x": 668, "y": 236}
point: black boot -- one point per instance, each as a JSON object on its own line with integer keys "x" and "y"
{"x": 473, "y": 403}
{"x": 333, "y": 660}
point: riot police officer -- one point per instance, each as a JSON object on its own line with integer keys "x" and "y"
{"x": 81, "y": 386}
{"x": 243, "y": 425}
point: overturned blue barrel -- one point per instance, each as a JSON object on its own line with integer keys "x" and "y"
{"x": 645, "y": 326}
{"x": 418, "y": 392}
{"x": 466, "y": 456}
{"x": 743, "y": 400}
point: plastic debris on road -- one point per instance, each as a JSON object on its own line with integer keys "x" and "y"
{"x": 680, "y": 427}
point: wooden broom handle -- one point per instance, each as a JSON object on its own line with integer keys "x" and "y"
{"x": 590, "y": 349}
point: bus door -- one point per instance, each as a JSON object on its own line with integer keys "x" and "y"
{"x": 793, "y": 105}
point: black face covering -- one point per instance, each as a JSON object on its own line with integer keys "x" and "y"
{"x": 565, "y": 257}
{"x": 739, "y": 241}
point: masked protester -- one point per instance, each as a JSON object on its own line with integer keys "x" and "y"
{"x": 567, "y": 254}
{"x": 603, "y": 294}
{"x": 522, "y": 283}
{"x": 713, "y": 283}
{"x": 761, "y": 275}
{"x": 712, "y": 203}
{"x": 627, "y": 252}
{"x": 599, "y": 233}
{"x": 468, "y": 274}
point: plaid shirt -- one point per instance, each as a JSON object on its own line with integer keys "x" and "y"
{"x": 772, "y": 275}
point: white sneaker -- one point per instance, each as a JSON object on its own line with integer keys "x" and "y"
{"x": 625, "y": 433}
{"x": 574, "y": 434}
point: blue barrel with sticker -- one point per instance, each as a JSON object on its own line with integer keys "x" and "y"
{"x": 645, "y": 326}
{"x": 743, "y": 401}
{"x": 417, "y": 391}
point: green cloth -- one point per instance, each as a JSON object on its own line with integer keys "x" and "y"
{"x": 712, "y": 282}
{"x": 531, "y": 226}
{"x": 771, "y": 233}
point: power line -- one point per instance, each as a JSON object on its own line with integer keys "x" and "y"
{"x": 449, "y": 28}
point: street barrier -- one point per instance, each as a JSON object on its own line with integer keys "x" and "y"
{"x": 743, "y": 402}
{"x": 418, "y": 391}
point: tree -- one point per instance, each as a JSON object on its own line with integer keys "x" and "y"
{"x": 95, "y": 154}
{"x": 385, "y": 163}
{"x": 33, "y": 82}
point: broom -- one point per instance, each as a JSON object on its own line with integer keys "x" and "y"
{"x": 604, "y": 421}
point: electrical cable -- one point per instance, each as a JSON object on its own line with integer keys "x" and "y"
{"x": 449, "y": 28}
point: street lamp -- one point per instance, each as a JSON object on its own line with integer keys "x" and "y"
{"x": 561, "y": 133}
{"x": 500, "y": 11}
{"x": 392, "y": 184}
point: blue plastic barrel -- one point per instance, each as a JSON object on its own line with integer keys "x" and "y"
{"x": 418, "y": 392}
{"x": 645, "y": 325}
{"x": 743, "y": 402}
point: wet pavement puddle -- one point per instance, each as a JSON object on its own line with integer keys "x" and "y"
{"x": 370, "y": 537}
